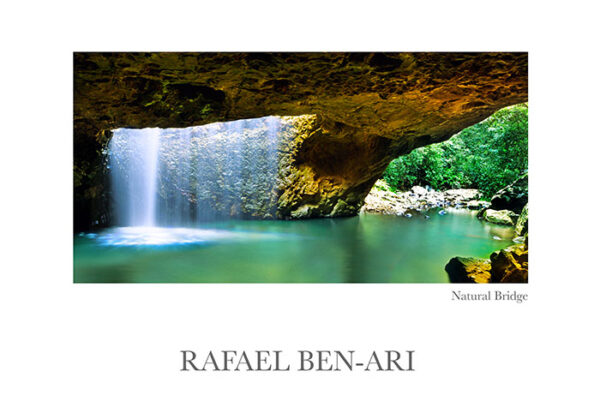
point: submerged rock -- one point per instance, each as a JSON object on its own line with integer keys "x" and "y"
{"x": 468, "y": 270}
{"x": 503, "y": 217}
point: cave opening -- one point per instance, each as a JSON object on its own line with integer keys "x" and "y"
{"x": 484, "y": 157}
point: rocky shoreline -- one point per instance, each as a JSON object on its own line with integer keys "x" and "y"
{"x": 508, "y": 265}
{"x": 508, "y": 207}
{"x": 382, "y": 200}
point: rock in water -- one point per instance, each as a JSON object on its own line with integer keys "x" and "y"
{"x": 468, "y": 270}
{"x": 523, "y": 222}
{"x": 503, "y": 217}
{"x": 513, "y": 197}
{"x": 510, "y": 265}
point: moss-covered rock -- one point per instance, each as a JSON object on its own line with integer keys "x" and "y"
{"x": 503, "y": 217}
{"x": 522, "y": 226}
{"x": 468, "y": 270}
{"x": 509, "y": 265}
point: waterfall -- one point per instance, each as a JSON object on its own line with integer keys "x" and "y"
{"x": 183, "y": 176}
{"x": 133, "y": 162}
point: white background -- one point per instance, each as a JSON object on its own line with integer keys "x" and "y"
{"x": 114, "y": 348}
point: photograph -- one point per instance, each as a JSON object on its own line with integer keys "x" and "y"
{"x": 300, "y": 167}
{"x": 285, "y": 207}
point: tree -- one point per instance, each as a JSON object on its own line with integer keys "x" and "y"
{"x": 486, "y": 156}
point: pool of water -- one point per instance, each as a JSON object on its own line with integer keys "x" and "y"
{"x": 367, "y": 248}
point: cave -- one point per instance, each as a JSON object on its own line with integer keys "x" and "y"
{"x": 365, "y": 109}
{"x": 209, "y": 137}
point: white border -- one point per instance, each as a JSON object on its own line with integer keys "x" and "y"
{"x": 101, "y": 348}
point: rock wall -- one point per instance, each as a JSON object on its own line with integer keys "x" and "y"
{"x": 368, "y": 109}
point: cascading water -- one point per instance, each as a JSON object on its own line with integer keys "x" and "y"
{"x": 180, "y": 177}
{"x": 133, "y": 161}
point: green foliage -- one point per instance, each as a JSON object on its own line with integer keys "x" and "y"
{"x": 487, "y": 156}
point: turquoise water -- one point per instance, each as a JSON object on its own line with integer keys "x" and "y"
{"x": 363, "y": 249}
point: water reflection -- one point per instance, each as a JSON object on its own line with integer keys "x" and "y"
{"x": 368, "y": 248}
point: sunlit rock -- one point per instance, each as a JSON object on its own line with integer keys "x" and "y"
{"x": 503, "y": 217}
{"x": 468, "y": 270}
{"x": 522, "y": 226}
{"x": 510, "y": 265}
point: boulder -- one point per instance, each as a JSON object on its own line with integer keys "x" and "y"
{"x": 522, "y": 226}
{"x": 468, "y": 270}
{"x": 503, "y": 217}
{"x": 510, "y": 265}
{"x": 513, "y": 197}
{"x": 382, "y": 200}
